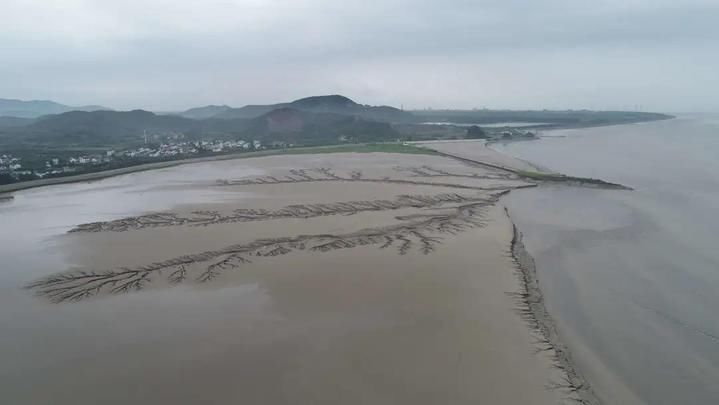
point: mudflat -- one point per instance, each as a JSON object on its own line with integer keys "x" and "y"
{"x": 317, "y": 279}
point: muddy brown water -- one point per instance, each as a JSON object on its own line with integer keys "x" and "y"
{"x": 361, "y": 325}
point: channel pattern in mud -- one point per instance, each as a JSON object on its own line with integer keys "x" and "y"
{"x": 323, "y": 174}
{"x": 421, "y": 232}
{"x": 210, "y": 217}
{"x": 450, "y": 213}
{"x": 428, "y": 171}
{"x": 206, "y": 217}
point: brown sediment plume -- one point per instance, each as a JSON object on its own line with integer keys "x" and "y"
{"x": 530, "y": 306}
{"x": 420, "y": 232}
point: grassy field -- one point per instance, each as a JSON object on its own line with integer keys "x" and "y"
{"x": 348, "y": 148}
{"x": 362, "y": 148}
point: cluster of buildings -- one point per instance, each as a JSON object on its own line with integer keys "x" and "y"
{"x": 9, "y": 163}
{"x": 12, "y": 166}
{"x": 169, "y": 150}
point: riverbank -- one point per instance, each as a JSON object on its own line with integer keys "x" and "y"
{"x": 478, "y": 153}
{"x": 357, "y": 148}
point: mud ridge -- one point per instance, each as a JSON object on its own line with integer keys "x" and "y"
{"x": 530, "y": 306}
{"x": 318, "y": 175}
{"x": 540, "y": 177}
{"x": 208, "y": 217}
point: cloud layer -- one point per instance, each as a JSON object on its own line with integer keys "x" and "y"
{"x": 164, "y": 55}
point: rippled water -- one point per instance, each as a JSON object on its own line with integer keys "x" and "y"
{"x": 632, "y": 277}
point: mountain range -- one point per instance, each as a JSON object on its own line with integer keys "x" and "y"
{"x": 307, "y": 121}
{"x": 335, "y": 104}
{"x": 208, "y": 111}
{"x": 38, "y": 108}
{"x": 314, "y": 120}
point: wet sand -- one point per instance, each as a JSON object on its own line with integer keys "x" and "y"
{"x": 343, "y": 278}
{"x": 479, "y": 151}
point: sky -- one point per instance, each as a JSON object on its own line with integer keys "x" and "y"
{"x": 166, "y": 55}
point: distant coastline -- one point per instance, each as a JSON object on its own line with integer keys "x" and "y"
{"x": 340, "y": 147}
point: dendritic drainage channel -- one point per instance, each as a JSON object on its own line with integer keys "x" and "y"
{"x": 421, "y": 232}
{"x": 211, "y": 217}
{"x": 438, "y": 215}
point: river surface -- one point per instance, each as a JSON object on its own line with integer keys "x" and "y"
{"x": 632, "y": 277}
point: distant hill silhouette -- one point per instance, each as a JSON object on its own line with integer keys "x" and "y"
{"x": 207, "y": 111}
{"x": 37, "y": 108}
{"x": 104, "y": 128}
{"x": 307, "y": 121}
{"x": 101, "y": 127}
{"x": 304, "y": 127}
{"x": 336, "y": 104}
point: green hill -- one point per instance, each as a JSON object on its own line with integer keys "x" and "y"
{"x": 307, "y": 128}
{"x": 118, "y": 128}
{"x": 323, "y": 104}
{"x": 205, "y": 112}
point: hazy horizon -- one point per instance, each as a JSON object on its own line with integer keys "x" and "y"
{"x": 165, "y": 55}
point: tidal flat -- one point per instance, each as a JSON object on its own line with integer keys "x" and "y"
{"x": 355, "y": 278}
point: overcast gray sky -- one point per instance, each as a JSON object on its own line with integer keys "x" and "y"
{"x": 662, "y": 55}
